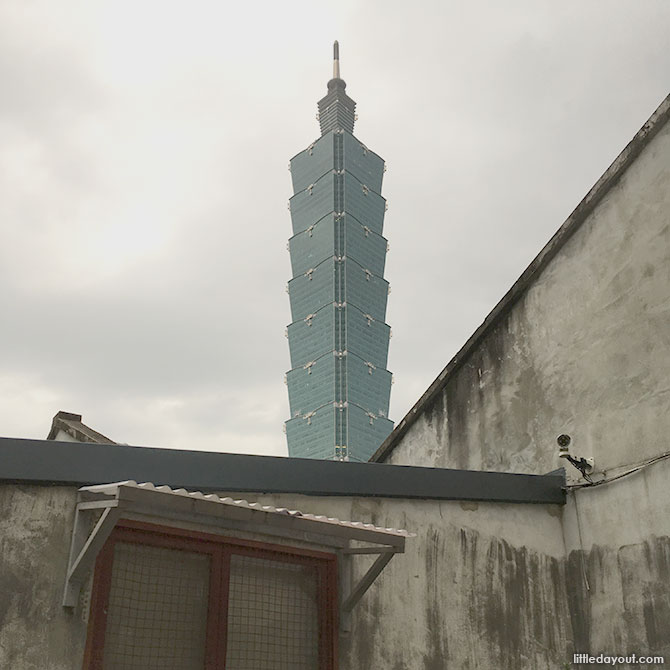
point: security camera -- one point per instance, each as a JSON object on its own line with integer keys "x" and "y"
{"x": 584, "y": 465}
{"x": 563, "y": 441}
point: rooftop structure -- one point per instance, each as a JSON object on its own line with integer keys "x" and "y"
{"x": 338, "y": 385}
{"x": 68, "y": 427}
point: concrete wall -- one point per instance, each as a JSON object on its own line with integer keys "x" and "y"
{"x": 586, "y": 351}
{"x": 36, "y": 633}
{"x": 481, "y": 586}
{"x": 618, "y": 564}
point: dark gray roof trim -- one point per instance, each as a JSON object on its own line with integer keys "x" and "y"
{"x": 72, "y": 463}
{"x": 572, "y": 224}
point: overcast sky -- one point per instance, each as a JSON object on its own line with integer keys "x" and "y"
{"x": 144, "y": 186}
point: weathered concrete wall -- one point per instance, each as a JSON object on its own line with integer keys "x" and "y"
{"x": 481, "y": 586}
{"x": 586, "y": 350}
{"x": 36, "y": 633}
{"x": 618, "y": 542}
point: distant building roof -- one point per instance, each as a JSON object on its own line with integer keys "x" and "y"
{"x": 611, "y": 177}
{"x": 68, "y": 427}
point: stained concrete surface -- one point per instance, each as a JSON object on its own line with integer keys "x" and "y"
{"x": 481, "y": 586}
{"x": 36, "y": 633}
{"x": 584, "y": 351}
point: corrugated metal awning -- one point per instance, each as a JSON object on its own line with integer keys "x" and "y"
{"x": 199, "y": 503}
{"x": 131, "y": 500}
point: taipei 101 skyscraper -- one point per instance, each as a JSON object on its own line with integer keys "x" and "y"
{"x": 338, "y": 385}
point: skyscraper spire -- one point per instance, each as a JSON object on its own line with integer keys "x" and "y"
{"x": 338, "y": 384}
{"x": 336, "y": 109}
{"x": 336, "y": 60}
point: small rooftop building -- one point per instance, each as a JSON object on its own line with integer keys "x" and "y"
{"x": 68, "y": 427}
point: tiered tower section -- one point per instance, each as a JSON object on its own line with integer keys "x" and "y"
{"x": 339, "y": 387}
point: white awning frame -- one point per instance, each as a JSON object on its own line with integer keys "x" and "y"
{"x": 130, "y": 500}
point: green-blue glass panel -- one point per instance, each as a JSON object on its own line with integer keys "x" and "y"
{"x": 367, "y": 208}
{"x": 365, "y": 246}
{"x": 367, "y": 338}
{"x": 369, "y": 388}
{"x": 364, "y": 164}
{"x": 365, "y": 343}
{"x": 307, "y": 167}
{"x": 310, "y": 247}
{"x": 308, "y": 342}
{"x": 367, "y": 292}
{"x": 365, "y": 437}
{"x": 308, "y": 207}
{"x": 308, "y": 295}
{"x": 314, "y": 438}
{"x": 310, "y": 388}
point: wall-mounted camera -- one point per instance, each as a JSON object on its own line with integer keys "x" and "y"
{"x": 584, "y": 465}
{"x": 563, "y": 441}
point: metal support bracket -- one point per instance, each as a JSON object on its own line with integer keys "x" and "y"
{"x": 351, "y": 595}
{"x": 365, "y": 582}
{"x": 84, "y": 547}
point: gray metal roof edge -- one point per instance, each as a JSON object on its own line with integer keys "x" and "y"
{"x": 608, "y": 180}
{"x": 45, "y": 462}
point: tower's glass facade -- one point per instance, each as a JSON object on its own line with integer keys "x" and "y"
{"x": 338, "y": 385}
